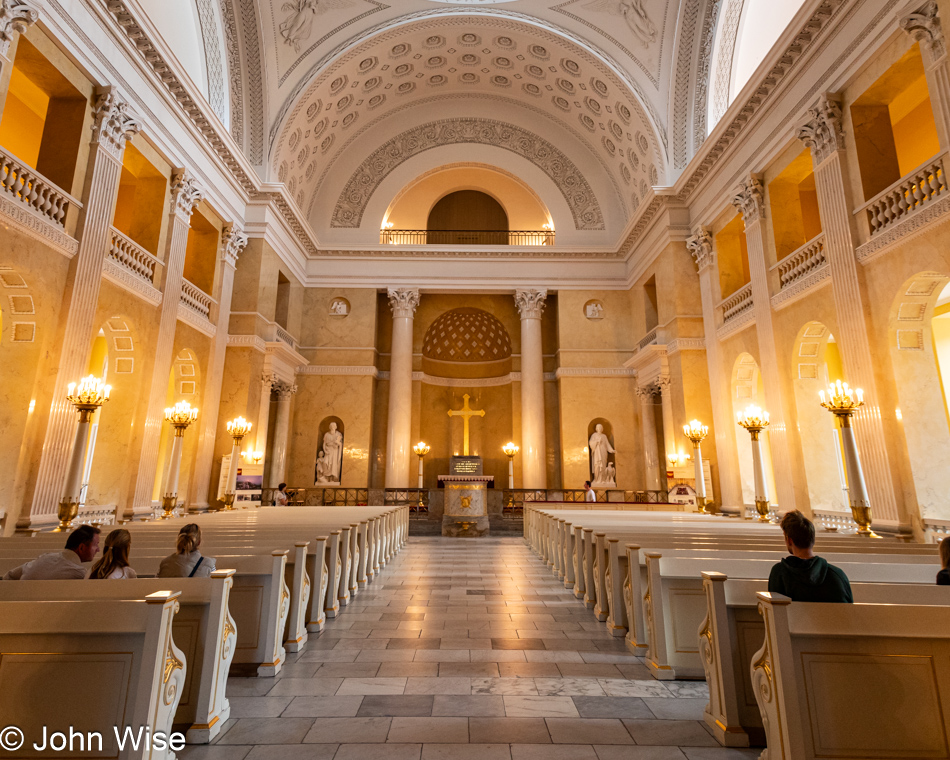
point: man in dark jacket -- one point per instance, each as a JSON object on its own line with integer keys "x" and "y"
{"x": 804, "y": 576}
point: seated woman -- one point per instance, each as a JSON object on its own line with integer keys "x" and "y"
{"x": 114, "y": 562}
{"x": 187, "y": 561}
{"x": 943, "y": 576}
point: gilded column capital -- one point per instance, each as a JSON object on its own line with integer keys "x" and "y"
{"x": 233, "y": 242}
{"x": 700, "y": 247}
{"x": 113, "y": 122}
{"x": 15, "y": 17}
{"x": 924, "y": 26}
{"x": 185, "y": 193}
{"x": 750, "y": 200}
{"x": 530, "y": 302}
{"x": 823, "y": 133}
{"x": 403, "y": 301}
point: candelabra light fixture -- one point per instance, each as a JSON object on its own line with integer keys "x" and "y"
{"x": 755, "y": 420}
{"x": 696, "y": 431}
{"x": 510, "y": 450}
{"x": 237, "y": 429}
{"x": 257, "y": 456}
{"x": 843, "y": 402}
{"x": 180, "y": 416}
{"x": 87, "y": 396}
{"x": 422, "y": 448}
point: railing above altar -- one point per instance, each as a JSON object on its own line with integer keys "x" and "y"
{"x": 516, "y": 498}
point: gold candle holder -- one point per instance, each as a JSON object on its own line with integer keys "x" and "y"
{"x": 510, "y": 450}
{"x": 755, "y": 420}
{"x": 422, "y": 448}
{"x": 180, "y": 416}
{"x": 696, "y": 431}
{"x": 237, "y": 429}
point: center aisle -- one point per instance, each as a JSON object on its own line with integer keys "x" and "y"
{"x": 465, "y": 649}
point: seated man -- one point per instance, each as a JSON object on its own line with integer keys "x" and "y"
{"x": 804, "y": 576}
{"x": 81, "y": 546}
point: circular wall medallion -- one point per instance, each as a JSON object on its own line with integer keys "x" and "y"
{"x": 594, "y": 309}
{"x": 339, "y": 307}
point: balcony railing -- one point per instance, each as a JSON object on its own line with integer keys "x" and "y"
{"x": 801, "y": 263}
{"x": 131, "y": 256}
{"x": 28, "y": 186}
{"x": 284, "y": 337}
{"x": 910, "y": 193}
{"x": 466, "y": 237}
{"x": 649, "y": 339}
{"x": 737, "y": 304}
{"x": 196, "y": 299}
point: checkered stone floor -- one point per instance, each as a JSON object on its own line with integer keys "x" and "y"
{"x": 465, "y": 648}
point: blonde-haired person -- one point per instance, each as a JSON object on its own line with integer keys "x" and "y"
{"x": 943, "y": 576}
{"x": 114, "y": 562}
{"x": 187, "y": 561}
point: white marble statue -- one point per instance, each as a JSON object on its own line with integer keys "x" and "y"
{"x": 323, "y": 469}
{"x": 333, "y": 446}
{"x": 299, "y": 24}
{"x": 595, "y": 311}
{"x": 600, "y": 448}
{"x": 338, "y": 308}
{"x": 610, "y": 475}
{"x": 633, "y": 13}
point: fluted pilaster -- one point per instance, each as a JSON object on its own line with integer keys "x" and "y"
{"x": 852, "y": 333}
{"x": 278, "y": 458}
{"x": 925, "y": 27}
{"x": 750, "y": 201}
{"x": 530, "y": 303}
{"x": 113, "y": 127}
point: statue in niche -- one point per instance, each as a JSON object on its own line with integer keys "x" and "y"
{"x": 600, "y": 449}
{"x": 611, "y": 475}
{"x": 633, "y": 13}
{"x": 333, "y": 446}
{"x": 299, "y": 24}
{"x": 323, "y": 469}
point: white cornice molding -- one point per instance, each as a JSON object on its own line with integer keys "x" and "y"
{"x": 285, "y": 354}
{"x": 31, "y": 223}
{"x": 254, "y": 342}
{"x": 337, "y": 371}
{"x": 685, "y": 344}
{"x": 190, "y": 317}
{"x": 612, "y": 373}
{"x": 122, "y": 277}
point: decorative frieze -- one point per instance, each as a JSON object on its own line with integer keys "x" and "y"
{"x": 602, "y": 372}
{"x": 823, "y": 133}
{"x": 685, "y": 344}
{"x": 749, "y": 200}
{"x": 113, "y": 122}
{"x": 700, "y": 247}
{"x": 347, "y": 371}
{"x": 247, "y": 341}
{"x": 530, "y": 303}
{"x": 403, "y": 301}
{"x": 15, "y": 17}
{"x": 925, "y": 27}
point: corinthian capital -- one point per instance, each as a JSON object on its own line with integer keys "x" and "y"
{"x": 15, "y": 17}
{"x": 750, "y": 200}
{"x": 700, "y": 247}
{"x": 823, "y": 133}
{"x": 285, "y": 390}
{"x": 924, "y": 26}
{"x": 233, "y": 242}
{"x": 530, "y": 303}
{"x": 403, "y": 301}
{"x": 113, "y": 123}
{"x": 185, "y": 193}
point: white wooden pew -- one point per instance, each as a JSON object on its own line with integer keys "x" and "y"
{"x": 853, "y": 680}
{"x": 92, "y": 665}
{"x": 203, "y": 629}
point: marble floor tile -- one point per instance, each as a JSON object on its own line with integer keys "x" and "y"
{"x": 408, "y": 670}
{"x": 569, "y": 687}
{"x": 480, "y": 706}
{"x": 348, "y": 669}
{"x": 497, "y": 655}
{"x": 552, "y": 752}
{"x": 267, "y": 731}
{"x": 588, "y": 670}
{"x": 720, "y": 753}
{"x": 614, "y": 707}
{"x": 465, "y": 752}
{"x": 688, "y": 689}
{"x": 681, "y": 733}
{"x": 258, "y": 707}
{"x": 618, "y": 688}
{"x": 588, "y": 731}
{"x": 295, "y": 752}
{"x": 322, "y": 707}
{"x": 214, "y": 752}
{"x": 468, "y": 670}
{"x": 509, "y": 730}
{"x": 528, "y": 670}
{"x": 305, "y": 687}
{"x": 504, "y": 686}
{"x": 677, "y": 709}
{"x": 379, "y": 752}
{"x": 399, "y": 706}
{"x": 357, "y": 686}
{"x": 429, "y": 730}
{"x": 619, "y": 752}
{"x": 348, "y": 731}
{"x": 539, "y": 707}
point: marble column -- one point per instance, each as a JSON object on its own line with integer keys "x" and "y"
{"x": 185, "y": 195}
{"x": 925, "y": 27}
{"x": 278, "y": 456}
{"x": 665, "y": 384}
{"x": 16, "y": 16}
{"x": 530, "y": 305}
{"x": 269, "y": 382}
{"x": 113, "y": 126}
{"x": 233, "y": 241}
{"x": 700, "y": 247}
{"x": 823, "y": 135}
{"x": 651, "y": 456}
{"x": 404, "y": 302}
{"x": 750, "y": 201}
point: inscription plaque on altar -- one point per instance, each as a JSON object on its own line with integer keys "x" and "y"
{"x": 465, "y": 466}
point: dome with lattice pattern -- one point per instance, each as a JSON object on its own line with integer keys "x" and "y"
{"x": 467, "y": 335}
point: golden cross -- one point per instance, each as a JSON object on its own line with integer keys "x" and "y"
{"x": 466, "y": 413}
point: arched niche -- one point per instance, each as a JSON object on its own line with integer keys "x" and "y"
{"x": 919, "y": 337}
{"x": 817, "y": 363}
{"x": 324, "y": 430}
{"x": 611, "y": 458}
{"x": 747, "y": 389}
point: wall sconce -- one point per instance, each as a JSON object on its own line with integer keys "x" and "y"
{"x": 257, "y": 456}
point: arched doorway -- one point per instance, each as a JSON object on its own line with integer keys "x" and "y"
{"x": 747, "y": 390}
{"x": 818, "y": 363}
{"x": 467, "y": 217}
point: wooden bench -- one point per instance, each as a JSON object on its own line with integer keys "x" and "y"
{"x": 853, "y": 680}
{"x": 203, "y": 629}
{"x": 92, "y": 666}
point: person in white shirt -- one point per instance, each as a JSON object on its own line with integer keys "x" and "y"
{"x": 589, "y": 493}
{"x": 114, "y": 563}
{"x": 187, "y": 561}
{"x": 280, "y": 498}
{"x": 81, "y": 546}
